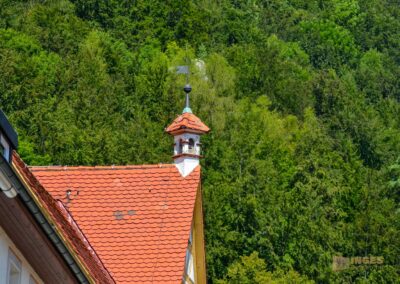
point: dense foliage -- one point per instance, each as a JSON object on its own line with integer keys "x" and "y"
{"x": 303, "y": 98}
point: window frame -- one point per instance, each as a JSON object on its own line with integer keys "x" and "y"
{"x": 32, "y": 280}
{"x": 6, "y": 148}
{"x": 191, "y": 146}
{"x": 13, "y": 261}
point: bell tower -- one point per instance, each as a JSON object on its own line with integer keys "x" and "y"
{"x": 187, "y": 129}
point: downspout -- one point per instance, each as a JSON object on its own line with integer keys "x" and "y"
{"x": 44, "y": 224}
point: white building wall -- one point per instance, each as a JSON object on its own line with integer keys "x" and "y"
{"x": 27, "y": 271}
{"x": 186, "y": 165}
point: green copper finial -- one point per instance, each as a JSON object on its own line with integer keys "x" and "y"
{"x": 187, "y": 90}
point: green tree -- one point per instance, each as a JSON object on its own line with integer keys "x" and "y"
{"x": 328, "y": 44}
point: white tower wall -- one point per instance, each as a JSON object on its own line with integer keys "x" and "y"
{"x": 186, "y": 156}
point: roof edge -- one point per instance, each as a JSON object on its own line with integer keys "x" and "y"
{"x": 186, "y": 130}
{"x": 38, "y": 215}
{"x": 29, "y": 181}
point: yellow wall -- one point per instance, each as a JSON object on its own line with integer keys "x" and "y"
{"x": 198, "y": 240}
{"x": 197, "y": 248}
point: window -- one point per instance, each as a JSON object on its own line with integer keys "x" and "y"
{"x": 180, "y": 150}
{"x": 32, "y": 280}
{"x": 4, "y": 148}
{"x": 13, "y": 269}
{"x": 191, "y": 145}
{"x": 189, "y": 259}
{"x": 189, "y": 265}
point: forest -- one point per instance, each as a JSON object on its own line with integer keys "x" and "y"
{"x": 302, "y": 97}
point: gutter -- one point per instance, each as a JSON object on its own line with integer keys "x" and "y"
{"x": 41, "y": 219}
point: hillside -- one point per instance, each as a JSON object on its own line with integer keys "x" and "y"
{"x": 303, "y": 99}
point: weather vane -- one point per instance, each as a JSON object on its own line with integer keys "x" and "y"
{"x": 184, "y": 69}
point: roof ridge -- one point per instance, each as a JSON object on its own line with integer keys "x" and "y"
{"x": 110, "y": 167}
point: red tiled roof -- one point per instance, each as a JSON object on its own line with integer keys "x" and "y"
{"x": 61, "y": 219}
{"x": 137, "y": 218}
{"x": 187, "y": 121}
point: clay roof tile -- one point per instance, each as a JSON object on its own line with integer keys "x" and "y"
{"x": 189, "y": 122}
{"x": 136, "y": 218}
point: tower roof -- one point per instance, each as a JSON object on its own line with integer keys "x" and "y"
{"x": 187, "y": 122}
